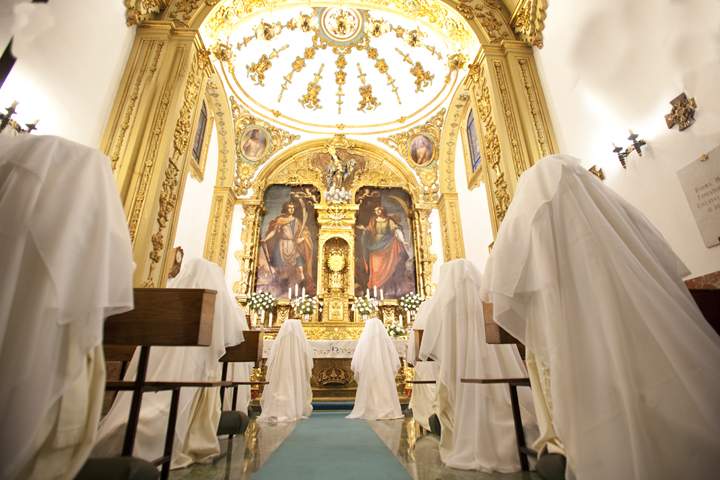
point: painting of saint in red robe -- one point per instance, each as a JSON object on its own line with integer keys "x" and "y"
{"x": 288, "y": 240}
{"x": 384, "y": 251}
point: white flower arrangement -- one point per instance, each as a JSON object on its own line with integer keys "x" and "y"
{"x": 396, "y": 329}
{"x": 261, "y": 302}
{"x": 365, "y": 305}
{"x": 337, "y": 195}
{"x": 305, "y": 305}
{"x": 410, "y": 302}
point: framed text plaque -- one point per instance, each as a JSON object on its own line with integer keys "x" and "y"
{"x": 701, "y": 182}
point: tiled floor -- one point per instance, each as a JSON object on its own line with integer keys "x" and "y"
{"x": 416, "y": 452}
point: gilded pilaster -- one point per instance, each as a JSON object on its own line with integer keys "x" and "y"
{"x": 217, "y": 236}
{"x": 452, "y": 236}
{"x": 424, "y": 254}
{"x": 534, "y": 113}
{"x": 247, "y": 256}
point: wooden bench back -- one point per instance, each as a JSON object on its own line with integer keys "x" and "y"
{"x": 708, "y": 300}
{"x": 164, "y": 317}
{"x": 249, "y": 351}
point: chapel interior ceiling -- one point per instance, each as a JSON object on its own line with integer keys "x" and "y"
{"x": 321, "y": 68}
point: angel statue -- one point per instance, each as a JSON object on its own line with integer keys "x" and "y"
{"x": 337, "y": 171}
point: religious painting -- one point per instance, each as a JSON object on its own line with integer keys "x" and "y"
{"x": 473, "y": 144}
{"x": 422, "y": 150}
{"x": 254, "y": 142}
{"x": 384, "y": 252}
{"x": 288, "y": 241}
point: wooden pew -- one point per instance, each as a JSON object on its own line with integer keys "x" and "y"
{"x": 161, "y": 317}
{"x": 250, "y": 351}
{"x": 495, "y": 335}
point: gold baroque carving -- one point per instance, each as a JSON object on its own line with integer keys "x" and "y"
{"x": 489, "y": 13}
{"x": 491, "y": 145}
{"x": 181, "y": 136}
{"x": 137, "y": 11}
{"x": 510, "y": 121}
{"x": 529, "y": 21}
{"x": 531, "y": 93}
{"x": 243, "y": 119}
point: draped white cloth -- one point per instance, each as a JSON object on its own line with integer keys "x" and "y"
{"x": 65, "y": 265}
{"x": 592, "y": 289}
{"x": 288, "y": 396}
{"x": 423, "y": 400}
{"x": 375, "y": 364}
{"x": 198, "y": 409}
{"x": 477, "y": 425}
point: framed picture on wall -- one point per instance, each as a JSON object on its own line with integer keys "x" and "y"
{"x": 201, "y": 139}
{"x": 472, "y": 139}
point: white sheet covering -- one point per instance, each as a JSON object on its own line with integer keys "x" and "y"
{"x": 596, "y": 294}
{"x": 477, "y": 425}
{"x": 66, "y": 264}
{"x": 288, "y": 396}
{"x": 375, "y": 364}
{"x": 423, "y": 400}
{"x": 198, "y": 409}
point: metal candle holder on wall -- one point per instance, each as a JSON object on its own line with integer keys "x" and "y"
{"x": 636, "y": 145}
{"x": 6, "y": 120}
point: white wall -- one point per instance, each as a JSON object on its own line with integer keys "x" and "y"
{"x": 610, "y": 66}
{"x": 69, "y": 75}
{"x": 196, "y": 205}
{"x": 474, "y": 212}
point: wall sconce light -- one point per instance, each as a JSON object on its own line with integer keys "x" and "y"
{"x": 682, "y": 113}
{"x": 635, "y": 146}
{"x": 6, "y": 120}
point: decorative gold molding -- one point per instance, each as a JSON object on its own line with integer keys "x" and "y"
{"x": 452, "y": 234}
{"x": 138, "y": 11}
{"x": 454, "y": 120}
{"x": 490, "y": 14}
{"x": 528, "y": 21}
{"x": 511, "y": 124}
{"x": 543, "y": 135}
{"x": 217, "y": 236}
{"x": 172, "y": 177}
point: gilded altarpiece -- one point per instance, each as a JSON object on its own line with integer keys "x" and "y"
{"x": 342, "y": 172}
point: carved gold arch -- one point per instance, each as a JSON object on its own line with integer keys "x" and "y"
{"x": 295, "y": 166}
{"x": 168, "y": 72}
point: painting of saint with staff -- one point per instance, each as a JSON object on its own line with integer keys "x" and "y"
{"x": 288, "y": 241}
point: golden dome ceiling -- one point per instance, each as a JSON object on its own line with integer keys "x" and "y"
{"x": 320, "y": 69}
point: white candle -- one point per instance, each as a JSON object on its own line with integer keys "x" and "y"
{"x": 303, "y": 292}
{"x": 271, "y": 319}
{"x": 367, "y": 292}
{"x": 289, "y": 293}
{"x": 374, "y": 291}
{"x": 401, "y": 322}
{"x": 382, "y": 295}
{"x": 296, "y": 289}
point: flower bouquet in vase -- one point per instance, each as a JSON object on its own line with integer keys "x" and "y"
{"x": 396, "y": 329}
{"x": 260, "y": 303}
{"x": 305, "y": 306}
{"x": 365, "y": 306}
{"x": 410, "y": 302}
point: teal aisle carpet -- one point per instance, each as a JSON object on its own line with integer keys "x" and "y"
{"x": 329, "y": 447}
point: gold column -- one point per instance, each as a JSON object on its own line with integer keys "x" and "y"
{"x": 247, "y": 256}
{"x": 534, "y": 114}
{"x": 453, "y": 243}
{"x": 425, "y": 257}
{"x": 217, "y": 236}
{"x": 147, "y": 138}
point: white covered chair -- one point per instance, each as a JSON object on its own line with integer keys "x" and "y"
{"x": 423, "y": 400}
{"x": 198, "y": 408}
{"x": 624, "y": 368}
{"x": 288, "y": 395}
{"x": 375, "y": 364}
{"x": 65, "y": 265}
{"x": 478, "y": 432}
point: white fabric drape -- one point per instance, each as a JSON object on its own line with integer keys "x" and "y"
{"x": 198, "y": 409}
{"x": 477, "y": 425}
{"x": 375, "y": 364}
{"x": 65, "y": 265}
{"x": 423, "y": 400}
{"x": 592, "y": 289}
{"x": 288, "y": 396}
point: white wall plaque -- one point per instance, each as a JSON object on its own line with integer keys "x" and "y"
{"x": 701, "y": 182}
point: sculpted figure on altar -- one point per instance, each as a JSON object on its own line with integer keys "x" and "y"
{"x": 385, "y": 253}
{"x": 287, "y": 244}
